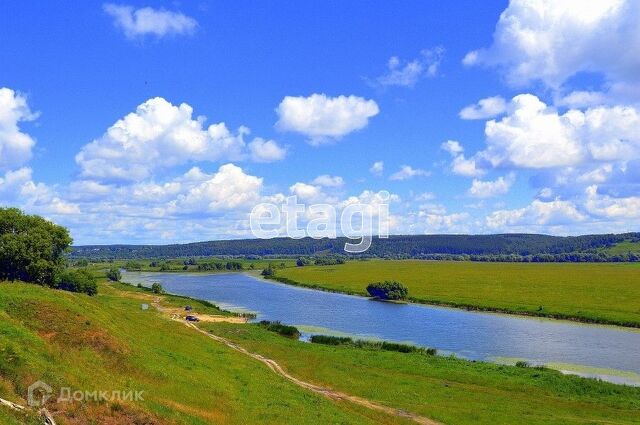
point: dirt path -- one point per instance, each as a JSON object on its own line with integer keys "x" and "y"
{"x": 334, "y": 395}
{"x": 327, "y": 392}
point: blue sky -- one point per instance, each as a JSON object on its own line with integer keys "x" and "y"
{"x": 549, "y": 140}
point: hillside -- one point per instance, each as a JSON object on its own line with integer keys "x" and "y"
{"x": 109, "y": 343}
{"x": 395, "y": 246}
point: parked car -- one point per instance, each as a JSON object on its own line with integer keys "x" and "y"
{"x": 188, "y": 308}
{"x": 192, "y": 319}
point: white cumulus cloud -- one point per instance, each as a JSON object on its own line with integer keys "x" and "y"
{"x": 377, "y": 168}
{"x": 328, "y": 181}
{"x": 610, "y": 207}
{"x": 15, "y": 146}
{"x": 407, "y": 172}
{"x": 162, "y": 135}
{"x": 534, "y": 135}
{"x": 538, "y": 213}
{"x": 551, "y": 41}
{"x": 461, "y": 165}
{"x": 266, "y": 150}
{"x": 485, "y": 108}
{"x": 323, "y": 118}
{"x": 490, "y": 189}
{"x": 408, "y": 73}
{"x": 149, "y": 21}
{"x": 227, "y": 189}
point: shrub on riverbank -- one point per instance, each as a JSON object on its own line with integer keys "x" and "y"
{"x": 270, "y": 271}
{"x": 330, "y": 340}
{"x": 114, "y": 275}
{"x": 284, "y": 330}
{"x": 388, "y": 290}
{"x": 371, "y": 345}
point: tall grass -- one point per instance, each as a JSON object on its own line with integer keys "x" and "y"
{"x": 371, "y": 345}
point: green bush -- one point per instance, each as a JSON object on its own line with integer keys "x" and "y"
{"x": 114, "y": 274}
{"x": 330, "y": 340}
{"x": 388, "y": 290}
{"x": 371, "y": 345}
{"x": 156, "y": 288}
{"x": 77, "y": 281}
{"x": 329, "y": 261}
{"x": 285, "y": 330}
{"x": 269, "y": 271}
{"x": 133, "y": 266}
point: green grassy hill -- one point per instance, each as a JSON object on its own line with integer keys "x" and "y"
{"x": 623, "y": 248}
{"x": 109, "y": 343}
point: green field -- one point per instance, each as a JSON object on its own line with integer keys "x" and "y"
{"x": 108, "y": 342}
{"x": 596, "y": 292}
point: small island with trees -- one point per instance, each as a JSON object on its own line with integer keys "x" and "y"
{"x": 389, "y": 290}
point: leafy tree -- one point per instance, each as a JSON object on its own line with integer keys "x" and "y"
{"x": 388, "y": 290}
{"x": 156, "y": 288}
{"x": 133, "y": 266}
{"x": 269, "y": 271}
{"x": 31, "y": 248}
{"x": 114, "y": 274}
{"x": 77, "y": 281}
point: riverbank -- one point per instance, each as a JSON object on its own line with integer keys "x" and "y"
{"x": 594, "y": 293}
{"x": 467, "y": 307}
{"x": 446, "y": 389}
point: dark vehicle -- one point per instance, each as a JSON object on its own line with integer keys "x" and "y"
{"x": 192, "y": 319}
{"x": 188, "y": 308}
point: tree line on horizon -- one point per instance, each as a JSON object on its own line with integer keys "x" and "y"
{"x": 499, "y": 247}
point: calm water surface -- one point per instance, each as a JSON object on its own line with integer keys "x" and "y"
{"x": 610, "y": 353}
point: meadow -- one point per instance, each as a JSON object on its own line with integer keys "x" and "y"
{"x": 449, "y": 390}
{"x": 590, "y": 292}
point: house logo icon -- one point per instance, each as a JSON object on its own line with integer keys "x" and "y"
{"x": 38, "y": 393}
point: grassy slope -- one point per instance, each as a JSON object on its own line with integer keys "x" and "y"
{"x": 605, "y": 292}
{"x": 446, "y": 389}
{"x": 623, "y": 248}
{"x": 109, "y": 343}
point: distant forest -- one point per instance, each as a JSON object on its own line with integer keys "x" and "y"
{"x": 502, "y": 247}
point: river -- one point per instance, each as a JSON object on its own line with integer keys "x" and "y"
{"x": 606, "y": 352}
